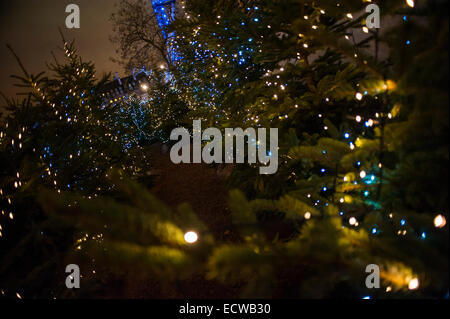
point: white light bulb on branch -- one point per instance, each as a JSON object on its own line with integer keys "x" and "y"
{"x": 191, "y": 237}
{"x": 440, "y": 221}
{"x": 413, "y": 284}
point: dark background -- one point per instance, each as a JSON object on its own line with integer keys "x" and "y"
{"x": 31, "y": 28}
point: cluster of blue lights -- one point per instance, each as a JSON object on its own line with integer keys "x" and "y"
{"x": 164, "y": 10}
{"x": 165, "y": 14}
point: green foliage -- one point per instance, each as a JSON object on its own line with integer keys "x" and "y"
{"x": 60, "y": 137}
{"x": 362, "y": 139}
{"x": 363, "y": 159}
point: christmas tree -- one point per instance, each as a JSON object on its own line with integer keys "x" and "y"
{"x": 60, "y": 137}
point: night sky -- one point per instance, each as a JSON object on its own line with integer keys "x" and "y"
{"x": 31, "y": 28}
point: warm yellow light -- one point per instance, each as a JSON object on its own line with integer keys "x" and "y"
{"x": 363, "y": 174}
{"x": 413, "y": 284}
{"x": 144, "y": 87}
{"x": 410, "y": 3}
{"x": 359, "y": 96}
{"x": 352, "y": 221}
{"x": 391, "y": 85}
{"x": 308, "y": 215}
{"x": 440, "y": 221}
{"x": 191, "y": 237}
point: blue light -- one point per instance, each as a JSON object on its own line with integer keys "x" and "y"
{"x": 366, "y": 193}
{"x": 359, "y": 163}
{"x": 323, "y": 170}
{"x": 423, "y": 236}
{"x": 367, "y": 297}
{"x": 374, "y": 231}
{"x": 164, "y": 18}
{"x": 403, "y": 222}
{"x": 347, "y": 135}
{"x": 324, "y": 189}
{"x": 341, "y": 213}
{"x": 405, "y": 18}
{"x": 256, "y": 19}
{"x": 408, "y": 42}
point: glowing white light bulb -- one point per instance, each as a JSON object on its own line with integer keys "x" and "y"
{"x": 191, "y": 237}
{"x": 352, "y": 221}
{"x": 440, "y": 221}
{"x": 410, "y": 3}
{"x": 413, "y": 284}
{"x": 363, "y": 174}
{"x": 359, "y": 96}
